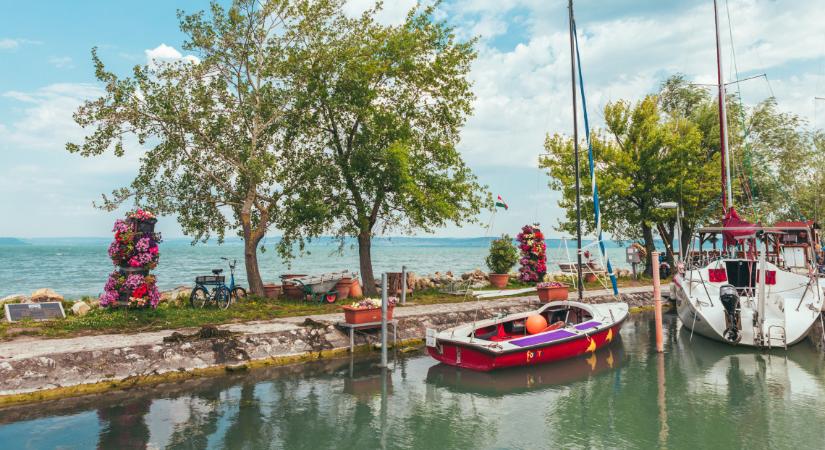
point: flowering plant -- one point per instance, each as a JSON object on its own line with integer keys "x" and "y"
{"x": 373, "y": 303}
{"x": 140, "y": 214}
{"x": 550, "y": 284}
{"x": 141, "y": 290}
{"x": 533, "y": 253}
{"x": 131, "y": 248}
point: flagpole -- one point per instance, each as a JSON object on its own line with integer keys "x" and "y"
{"x": 576, "y": 153}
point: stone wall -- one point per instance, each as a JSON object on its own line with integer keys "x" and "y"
{"x": 212, "y": 347}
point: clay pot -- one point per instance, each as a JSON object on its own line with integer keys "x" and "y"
{"x": 343, "y": 287}
{"x": 272, "y": 290}
{"x": 290, "y": 290}
{"x": 552, "y": 294}
{"x": 355, "y": 289}
{"x": 589, "y": 277}
{"x": 359, "y": 316}
{"x": 499, "y": 280}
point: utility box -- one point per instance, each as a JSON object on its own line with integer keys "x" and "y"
{"x": 632, "y": 255}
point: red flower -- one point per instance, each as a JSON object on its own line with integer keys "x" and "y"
{"x": 141, "y": 291}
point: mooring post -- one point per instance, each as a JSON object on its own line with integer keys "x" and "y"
{"x": 657, "y": 301}
{"x": 403, "y": 285}
{"x": 384, "y": 301}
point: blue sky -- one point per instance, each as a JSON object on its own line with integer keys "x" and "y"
{"x": 521, "y": 80}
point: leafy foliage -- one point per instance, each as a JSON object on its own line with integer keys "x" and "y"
{"x": 215, "y": 127}
{"x": 503, "y": 255}
{"x": 381, "y": 107}
{"x": 666, "y": 148}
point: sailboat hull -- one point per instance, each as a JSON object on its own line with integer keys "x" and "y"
{"x": 792, "y": 308}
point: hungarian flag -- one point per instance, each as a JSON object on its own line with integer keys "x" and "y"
{"x": 500, "y": 203}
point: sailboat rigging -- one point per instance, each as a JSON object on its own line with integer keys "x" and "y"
{"x": 761, "y": 290}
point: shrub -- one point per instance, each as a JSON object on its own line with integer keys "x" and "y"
{"x": 503, "y": 255}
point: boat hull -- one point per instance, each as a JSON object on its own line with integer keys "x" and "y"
{"x": 473, "y": 357}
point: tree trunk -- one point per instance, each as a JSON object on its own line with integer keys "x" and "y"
{"x": 647, "y": 235}
{"x": 666, "y": 231}
{"x": 365, "y": 259}
{"x": 253, "y": 273}
{"x": 685, "y": 236}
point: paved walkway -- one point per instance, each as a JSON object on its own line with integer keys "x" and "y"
{"x": 29, "y": 347}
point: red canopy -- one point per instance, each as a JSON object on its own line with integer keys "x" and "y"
{"x": 740, "y": 227}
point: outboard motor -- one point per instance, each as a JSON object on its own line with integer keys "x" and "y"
{"x": 733, "y": 325}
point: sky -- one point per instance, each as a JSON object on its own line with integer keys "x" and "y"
{"x": 521, "y": 81}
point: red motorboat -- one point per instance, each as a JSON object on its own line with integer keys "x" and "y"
{"x": 575, "y": 328}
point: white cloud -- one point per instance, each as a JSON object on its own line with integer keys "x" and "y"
{"x": 167, "y": 54}
{"x": 13, "y": 44}
{"x": 62, "y": 62}
{"x": 524, "y": 92}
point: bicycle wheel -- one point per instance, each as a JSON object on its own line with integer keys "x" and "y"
{"x": 238, "y": 293}
{"x": 198, "y": 297}
{"x": 222, "y": 297}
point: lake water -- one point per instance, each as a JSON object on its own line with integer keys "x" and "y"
{"x": 79, "y": 266}
{"x": 698, "y": 394}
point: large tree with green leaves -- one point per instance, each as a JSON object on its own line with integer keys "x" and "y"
{"x": 637, "y": 166}
{"x": 384, "y": 105}
{"x": 215, "y": 129}
{"x": 666, "y": 148}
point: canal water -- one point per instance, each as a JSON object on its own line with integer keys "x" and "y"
{"x": 699, "y": 394}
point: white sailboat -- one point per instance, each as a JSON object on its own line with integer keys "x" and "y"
{"x": 752, "y": 292}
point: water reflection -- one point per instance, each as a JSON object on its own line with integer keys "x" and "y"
{"x": 699, "y": 394}
{"x": 523, "y": 379}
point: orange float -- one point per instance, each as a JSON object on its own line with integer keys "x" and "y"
{"x": 535, "y": 324}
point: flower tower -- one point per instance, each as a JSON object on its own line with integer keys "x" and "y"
{"x": 134, "y": 251}
{"x": 533, "y": 254}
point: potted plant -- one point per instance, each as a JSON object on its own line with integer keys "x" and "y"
{"x": 552, "y": 291}
{"x": 503, "y": 256}
{"x": 143, "y": 221}
{"x": 133, "y": 290}
{"x": 367, "y": 310}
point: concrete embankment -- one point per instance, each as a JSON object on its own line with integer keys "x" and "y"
{"x": 33, "y": 369}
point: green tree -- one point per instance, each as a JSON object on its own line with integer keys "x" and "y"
{"x": 218, "y": 157}
{"x": 385, "y": 105}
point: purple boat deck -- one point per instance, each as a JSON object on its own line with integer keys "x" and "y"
{"x": 588, "y": 325}
{"x": 543, "y": 338}
{"x": 552, "y": 336}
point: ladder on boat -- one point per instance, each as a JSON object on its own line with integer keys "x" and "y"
{"x": 777, "y": 335}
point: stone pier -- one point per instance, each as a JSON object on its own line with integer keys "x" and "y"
{"x": 35, "y": 368}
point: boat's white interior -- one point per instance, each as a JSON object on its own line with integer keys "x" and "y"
{"x": 792, "y": 301}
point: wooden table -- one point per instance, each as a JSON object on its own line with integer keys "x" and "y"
{"x": 368, "y": 326}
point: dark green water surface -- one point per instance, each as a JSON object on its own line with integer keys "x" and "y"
{"x": 699, "y": 394}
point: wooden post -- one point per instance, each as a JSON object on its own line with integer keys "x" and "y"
{"x": 657, "y": 302}
{"x": 403, "y": 285}
{"x": 384, "y": 301}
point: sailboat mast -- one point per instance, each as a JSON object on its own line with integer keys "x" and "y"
{"x": 727, "y": 195}
{"x": 576, "y": 154}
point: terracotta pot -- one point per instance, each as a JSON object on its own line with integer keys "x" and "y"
{"x": 291, "y": 290}
{"x": 499, "y": 280}
{"x": 552, "y": 294}
{"x": 589, "y": 277}
{"x": 343, "y": 287}
{"x": 272, "y": 290}
{"x": 355, "y": 289}
{"x": 358, "y": 316}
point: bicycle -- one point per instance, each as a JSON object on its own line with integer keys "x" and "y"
{"x": 222, "y": 295}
